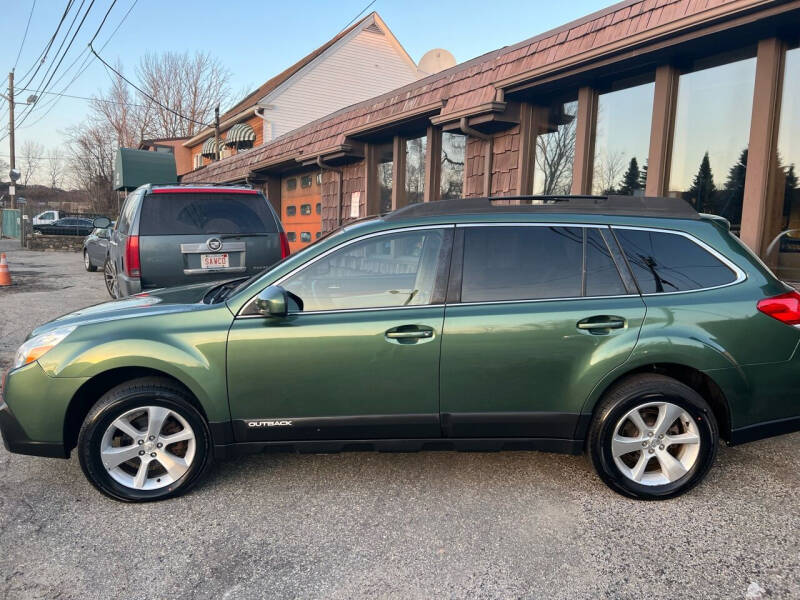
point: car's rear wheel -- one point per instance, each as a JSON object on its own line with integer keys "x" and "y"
{"x": 87, "y": 262}
{"x": 110, "y": 275}
{"x": 144, "y": 440}
{"x": 653, "y": 437}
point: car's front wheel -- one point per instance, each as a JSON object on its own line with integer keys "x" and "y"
{"x": 110, "y": 275}
{"x": 144, "y": 440}
{"x": 87, "y": 262}
{"x": 653, "y": 437}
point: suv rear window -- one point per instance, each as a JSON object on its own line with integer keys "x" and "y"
{"x": 200, "y": 214}
{"x": 670, "y": 262}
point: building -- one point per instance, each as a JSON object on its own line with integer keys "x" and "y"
{"x": 692, "y": 98}
{"x": 362, "y": 61}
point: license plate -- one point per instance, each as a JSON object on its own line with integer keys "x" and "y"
{"x": 214, "y": 261}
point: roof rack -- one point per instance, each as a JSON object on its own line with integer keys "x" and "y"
{"x": 201, "y": 184}
{"x": 633, "y": 206}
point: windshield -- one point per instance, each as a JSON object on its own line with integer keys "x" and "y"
{"x": 204, "y": 214}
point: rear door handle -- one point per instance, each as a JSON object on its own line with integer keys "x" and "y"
{"x": 409, "y": 335}
{"x": 601, "y": 323}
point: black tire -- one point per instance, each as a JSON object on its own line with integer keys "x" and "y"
{"x": 146, "y": 391}
{"x": 110, "y": 276}
{"x": 625, "y": 396}
{"x": 87, "y": 262}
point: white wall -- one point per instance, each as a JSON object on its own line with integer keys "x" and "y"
{"x": 364, "y": 66}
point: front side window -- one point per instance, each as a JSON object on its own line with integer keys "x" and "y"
{"x": 392, "y": 270}
{"x": 668, "y": 262}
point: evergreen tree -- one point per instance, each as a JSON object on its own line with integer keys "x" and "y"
{"x": 701, "y": 194}
{"x": 734, "y": 190}
{"x": 643, "y": 176}
{"x": 630, "y": 181}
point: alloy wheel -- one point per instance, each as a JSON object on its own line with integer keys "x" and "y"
{"x": 656, "y": 443}
{"x": 110, "y": 275}
{"x": 86, "y": 262}
{"x": 148, "y": 448}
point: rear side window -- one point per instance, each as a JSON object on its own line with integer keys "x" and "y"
{"x": 668, "y": 262}
{"x": 522, "y": 263}
{"x": 201, "y": 214}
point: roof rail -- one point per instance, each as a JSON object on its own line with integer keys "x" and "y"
{"x": 200, "y": 184}
{"x": 635, "y": 206}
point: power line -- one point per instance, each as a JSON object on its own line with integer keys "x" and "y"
{"x": 40, "y": 60}
{"x": 90, "y": 99}
{"x": 24, "y": 36}
{"x": 358, "y": 15}
{"x": 82, "y": 70}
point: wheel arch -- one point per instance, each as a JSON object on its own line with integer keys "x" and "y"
{"x": 703, "y": 383}
{"x": 91, "y": 391}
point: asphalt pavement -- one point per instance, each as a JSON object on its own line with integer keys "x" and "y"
{"x": 369, "y": 525}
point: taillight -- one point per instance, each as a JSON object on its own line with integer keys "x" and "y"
{"x": 785, "y": 308}
{"x": 132, "y": 266}
{"x": 284, "y": 245}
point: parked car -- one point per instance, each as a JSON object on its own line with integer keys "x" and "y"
{"x": 634, "y": 329}
{"x": 95, "y": 248}
{"x": 172, "y": 235}
{"x": 45, "y": 218}
{"x": 66, "y": 226}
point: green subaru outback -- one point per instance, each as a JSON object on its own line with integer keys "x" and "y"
{"x": 635, "y": 329}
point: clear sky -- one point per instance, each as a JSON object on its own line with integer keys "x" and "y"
{"x": 255, "y": 40}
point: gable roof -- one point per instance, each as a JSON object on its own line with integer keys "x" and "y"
{"x": 372, "y": 20}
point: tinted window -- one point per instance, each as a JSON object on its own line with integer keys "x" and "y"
{"x": 319, "y": 208}
{"x": 192, "y": 214}
{"x": 602, "y": 277}
{"x": 305, "y": 236}
{"x": 520, "y": 263}
{"x": 291, "y": 211}
{"x": 305, "y": 209}
{"x": 667, "y": 262}
{"x": 305, "y": 181}
{"x": 291, "y": 183}
{"x": 128, "y": 210}
{"x": 389, "y": 270}
{"x": 291, "y": 236}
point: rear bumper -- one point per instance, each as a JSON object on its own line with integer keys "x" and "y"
{"x": 128, "y": 286}
{"x": 15, "y": 439}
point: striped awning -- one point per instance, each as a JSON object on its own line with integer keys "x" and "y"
{"x": 209, "y": 147}
{"x": 241, "y": 132}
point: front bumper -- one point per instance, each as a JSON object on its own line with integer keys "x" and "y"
{"x": 16, "y": 440}
{"x": 33, "y": 410}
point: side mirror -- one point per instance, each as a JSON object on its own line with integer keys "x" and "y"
{"x": 101, "y": 222}
{"x": 273, "y": 302}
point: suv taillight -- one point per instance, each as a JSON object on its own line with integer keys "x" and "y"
{"x": 785, "y": 308}
{"x": 284, "y": 245}
{"x": 132, "y": 265}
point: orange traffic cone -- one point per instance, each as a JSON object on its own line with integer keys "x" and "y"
{"x": 5, "y": 276}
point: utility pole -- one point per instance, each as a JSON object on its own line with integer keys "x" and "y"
{"x": 216, "y": 132}
{"x": 11, "y": 152}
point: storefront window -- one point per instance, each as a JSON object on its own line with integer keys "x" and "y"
{"x": 415, "y": 169}
{"x": 555, "y": 151}
{"x": 785, "y": 184}
{"x": 452, "y": 176}
{"x": 385, "y": 164}
{"x": 622, "y": 140}
{"x": 712, "y": 129}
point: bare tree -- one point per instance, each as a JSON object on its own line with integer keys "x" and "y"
{"x": 608, "y": 169}
{"x": 4, "y": 168}
{"x": 92, "y": 147}
{"x": 31, "y": 157}
{"x": 129, "y": 116}
{"x": 55, "y": 169}
{"x": 555, "y": 153}
{"x": 191, "y": 85}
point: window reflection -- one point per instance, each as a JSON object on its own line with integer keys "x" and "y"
{"x": 622, "y": 140}
{"x": 452, "y": 176}
{"x": 555, "y": 151}
{"x": 784, "y": 202}
{"x": 712, "y": 129}
{"x": 415, "y": 169}
{"x": 385, "y": 164}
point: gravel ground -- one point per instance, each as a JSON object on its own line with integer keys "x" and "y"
{"x": 361, "y": 525}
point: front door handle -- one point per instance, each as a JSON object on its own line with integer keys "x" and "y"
{"x": 409, "y": 335}
{"x": 601, "y": 324}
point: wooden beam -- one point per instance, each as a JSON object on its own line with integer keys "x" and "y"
{"x": 372, "y": 191}
{"x": 433, "y": 164}
{"x": 398, "y": 172}
{"x": 762, "y": 152}
{"x": 584, "y": 141}
{"x": 665, "y": 97}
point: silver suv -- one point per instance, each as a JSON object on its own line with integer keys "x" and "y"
{"x": 176, "y": 235}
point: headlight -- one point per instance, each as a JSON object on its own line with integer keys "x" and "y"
{"x": 37, "y": 346}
